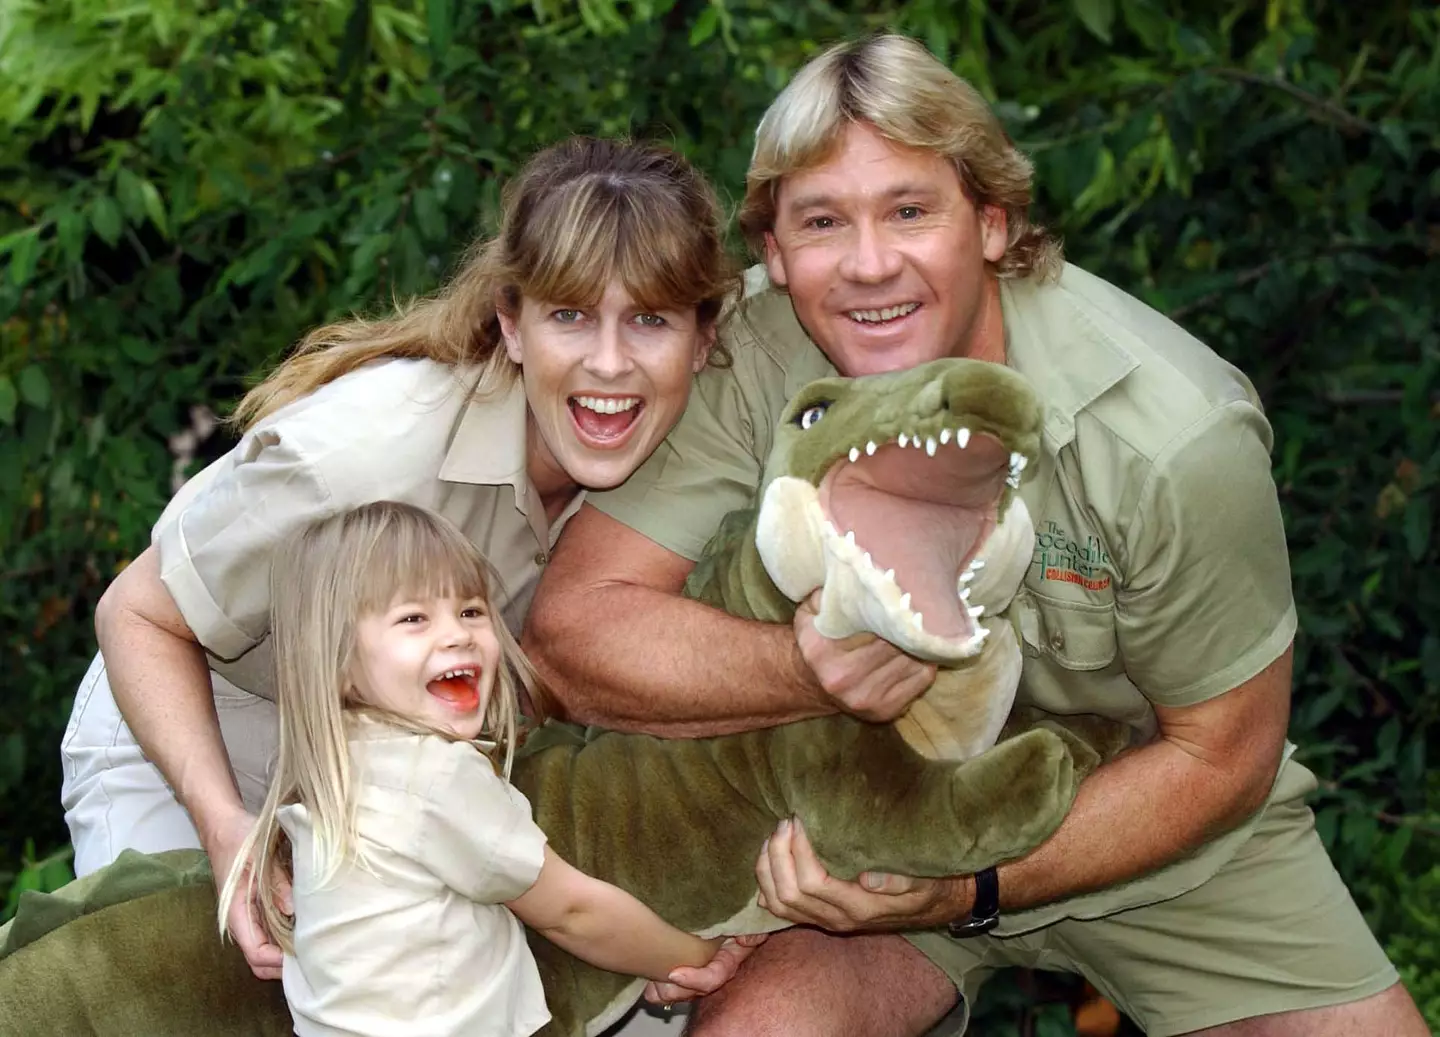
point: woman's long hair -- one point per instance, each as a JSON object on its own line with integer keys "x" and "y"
{"x": 323, "y": 580}
{"x": 578, "y": 214}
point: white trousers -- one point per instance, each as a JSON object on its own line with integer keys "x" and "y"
{"x": 116, "y": 799}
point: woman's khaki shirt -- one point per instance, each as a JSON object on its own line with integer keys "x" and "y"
{"x": 403, "y": 430}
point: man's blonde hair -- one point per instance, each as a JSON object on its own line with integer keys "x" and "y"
{"x": 894, "y": 84}
{"x": 323, "y": 580}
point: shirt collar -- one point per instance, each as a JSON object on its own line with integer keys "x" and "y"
{"x": 488, "y": 449}
{"x": 1054, "y": 340}
{"x": 488, "y": 446}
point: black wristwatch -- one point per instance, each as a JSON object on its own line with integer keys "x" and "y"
{"x": 985, "y": 913}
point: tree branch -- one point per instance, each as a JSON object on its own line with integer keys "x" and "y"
{"x": 1338, "y": 116}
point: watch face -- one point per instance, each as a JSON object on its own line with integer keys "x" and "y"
{"x": 973, "y": 926}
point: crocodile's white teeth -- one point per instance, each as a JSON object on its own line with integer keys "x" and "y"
{"x": 870, "y": 449}
{"x": 1017, "y": 462}
{"x": 967, "y": 576}
{"x": 962, "y": 437}
{"x": 916, "y": 443}
{"x": 930, "y": 446}
{"x": 870, "y": 562}
{"x": 977, "y": 565}
{"x": 944, "y": 436}
{"x": 850, "y": 537}
{"x": 917, "y": 618}
{"x": 890, "y": 575}
{"x": 905, "y": 600}
{"x": 976, "y": 612}
{"x": 904, "y": 440}
{"x": 830, "y": 528}
{"x": 854, "y": 454}
{"x": 964, "y": 593}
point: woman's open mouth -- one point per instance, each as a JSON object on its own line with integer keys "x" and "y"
{"x": 604, "y": 422}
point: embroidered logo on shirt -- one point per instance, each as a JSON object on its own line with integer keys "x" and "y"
{"x": 1060, "y": 557}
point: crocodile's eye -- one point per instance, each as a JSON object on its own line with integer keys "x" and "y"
{"x": 812, "y": 414}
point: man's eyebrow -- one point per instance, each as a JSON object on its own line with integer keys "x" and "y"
{"x": 819, "y": 200}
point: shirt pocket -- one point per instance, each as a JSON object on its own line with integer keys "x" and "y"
{"x": 1074, "y": 635}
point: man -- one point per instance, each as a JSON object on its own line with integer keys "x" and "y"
{"x": 1187, "y": 882}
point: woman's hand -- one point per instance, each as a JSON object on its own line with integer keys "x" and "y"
{"x": 243, "y": 922}
{"x": 686, "y": 984}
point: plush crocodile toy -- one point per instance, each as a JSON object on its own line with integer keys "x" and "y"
{"x": 894, "y": 496}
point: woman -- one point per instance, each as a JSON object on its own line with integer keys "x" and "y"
{"x": 555, "y": 361}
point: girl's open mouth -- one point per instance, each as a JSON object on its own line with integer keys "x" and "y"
{"x": 459, "y": 688}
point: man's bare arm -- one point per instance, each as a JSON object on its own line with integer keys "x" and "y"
{"x": 1212, "y": 767}
{"x": 619, "y": 646}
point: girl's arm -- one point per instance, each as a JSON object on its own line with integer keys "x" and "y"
{"x": 606, "y": 926}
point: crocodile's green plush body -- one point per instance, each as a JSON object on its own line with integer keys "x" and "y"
{"x": 132, "y": 950}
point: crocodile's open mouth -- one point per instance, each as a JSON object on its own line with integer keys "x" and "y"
{"x": 915, "y": 512}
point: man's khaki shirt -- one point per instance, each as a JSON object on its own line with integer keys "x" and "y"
{"x": 1160, "y": 573}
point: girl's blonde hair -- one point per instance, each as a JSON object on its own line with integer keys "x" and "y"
{"x": 894, "y": 84}
{"x": 577, "y": 215}
{"x": 323, "y": 581}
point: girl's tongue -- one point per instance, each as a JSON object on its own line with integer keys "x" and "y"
{"x": 457, "y": 692}
{"x": 604, "y": 426}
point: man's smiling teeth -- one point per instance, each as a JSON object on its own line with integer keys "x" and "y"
{"x": 607, "y": 404}
{"x": 880, "y": 316}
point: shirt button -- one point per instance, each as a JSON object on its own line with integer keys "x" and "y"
{"x": 541, "y": 558}
{"x": 1057, "y": 641}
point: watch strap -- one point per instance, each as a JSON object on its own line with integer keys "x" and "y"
{"x": 985, "y": 913}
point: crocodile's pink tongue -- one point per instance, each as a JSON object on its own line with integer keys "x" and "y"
{"x": 457, "y": 692}
{"x": 603, "y": 426}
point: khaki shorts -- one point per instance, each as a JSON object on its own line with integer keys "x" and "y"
{"x": 1275, "y": 930}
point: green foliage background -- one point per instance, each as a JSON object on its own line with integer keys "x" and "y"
{"x": 189, "y": 184}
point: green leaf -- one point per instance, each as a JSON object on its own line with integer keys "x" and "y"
{"x": 704, "y": 26}
{"x": 429, "y": 215}
{"x": 140, "y": 350}
{"x": 154, "y": 207}
{"x": 8, "y": 400}
{"x": 70, "y": 232}
{"x": 438, "y": 16}
{"x": 1419, "y": 524}
{"x": 24, "y": 254}
{"x": 131, "y": 197}
{"x": 1097, "y": 16}
{"x": 34, "y": 387}
{"x": 105, "y": 219}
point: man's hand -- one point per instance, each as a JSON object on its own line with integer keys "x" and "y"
{"x": 795, "y": 886}
{"x": 687, "y": 983}
{"x": 243, "y": 921}
{"x": 864, "y": 675}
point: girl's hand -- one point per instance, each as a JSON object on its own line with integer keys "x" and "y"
{"x": 686, "y": 983}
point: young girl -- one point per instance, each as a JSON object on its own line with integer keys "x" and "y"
{"x": 409, "y": 848}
